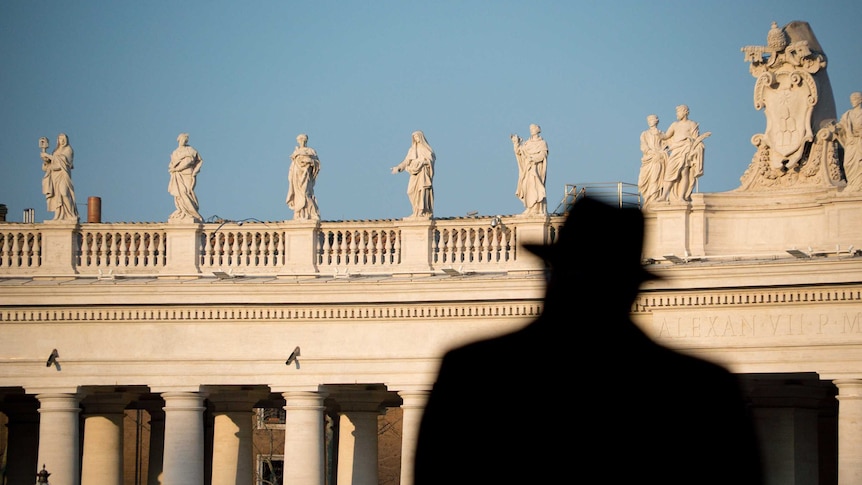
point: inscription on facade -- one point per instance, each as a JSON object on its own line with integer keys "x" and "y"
{"x": 669, "y": 326}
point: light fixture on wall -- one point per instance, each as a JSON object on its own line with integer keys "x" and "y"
{"x": 226, "y": 275}
{"x": 52, "y": 359}
{"x": 674, "y": 259}
{"x": 42, "y": 476}
{"x": 293, "y": 357}
{"x": 796, "y": 253}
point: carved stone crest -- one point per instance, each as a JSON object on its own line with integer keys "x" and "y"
{"x": 793, "y": 91}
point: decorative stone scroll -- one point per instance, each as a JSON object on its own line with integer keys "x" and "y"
{"x": 793, "y": 90}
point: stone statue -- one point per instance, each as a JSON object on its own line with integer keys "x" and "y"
{"x": 532, "y": 157}
{"x": 304, "y": 167}
{"x": 419, "y": 163}
{"x": 653, "y": 162}
{"x": 685, "y": 162}
{"x": 57, "y": 181}
{"x": 849, "y": 134}
{"x": 183, "y": 168}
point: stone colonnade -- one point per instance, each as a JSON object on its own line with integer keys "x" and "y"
{"x": 178, "y": 441}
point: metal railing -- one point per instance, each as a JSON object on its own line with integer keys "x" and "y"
{"x": 621, "y": 193}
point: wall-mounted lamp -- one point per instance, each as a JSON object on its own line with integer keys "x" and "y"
{"x": 52, "y": 359}
{"x": 42, "y": 476}
{"x": 674, "y": 259}
{"x": 293, "y": 357}
{"x": 226, "y": 275}
{"x": 796, "y": 253}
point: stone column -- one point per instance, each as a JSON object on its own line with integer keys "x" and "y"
{"x": 412, "y": 408}
{"x": 232, "y": 457}
{"x": 849, "y": 431}
{"x": 786, "y": 414}
{"x": 22, "y": 445}
{"x": 157, "y": 446}
{"x": 183, "y": 462}
{"x": 59, "y": 448}
{"x": 303, "y": 438}
{"x": 102, "y": 463}
{"x": 357, "y": 443}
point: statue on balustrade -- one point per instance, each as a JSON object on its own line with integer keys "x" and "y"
{"x": 532, "y": 157}
{"x": 849, "y": 134}
{"x": 183, "y": 168}
{"x": 304, "y": 167}
{"x": 685, "y": 161}
{"x": 799, "y": 147}
{"x": 57, "y": 181}
{"x": 653, "y": 161}
{"x": 419, "y": 163}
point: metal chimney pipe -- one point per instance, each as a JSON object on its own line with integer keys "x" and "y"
{"x": 94, "y": 209}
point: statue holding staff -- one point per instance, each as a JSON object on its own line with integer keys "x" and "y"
{"x": 532, "y": 156}
{"x": 57, "y": 181}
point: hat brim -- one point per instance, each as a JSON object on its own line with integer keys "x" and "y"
{"x": 548, "y": 253}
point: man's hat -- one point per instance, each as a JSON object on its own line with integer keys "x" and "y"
{"x": 598, "y": 239}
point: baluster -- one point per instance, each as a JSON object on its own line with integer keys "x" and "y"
{"x": 16, "y": 256}
{"x": 345, "y": 252}
{"x": 463, "y": 246}
{"x": 349, "y": 244}
{"x": 328, "y": 240}
{"x": 496, "y": 245}
{"x": 266, "y": 245}
{"x": 37, "y": 250}
{"x": 126, "y": 248}
{"x": 396, "y": 247}
{"x": 234, "y": 248}
{"x": 112, "y": 259}
{"x": 278, "y": 251}
{"x": 441, "y": 245}
{"x": 255, "y": 253}
{"x": 367, "y": 255}
{"x": 4, "y": 249}
{"x": 245, "y": 245}
{"x": 145, "y": 248}
{"x": 163, "y": 249}
{"x": 251, "y": 249}
{"x": 100, "y": 248}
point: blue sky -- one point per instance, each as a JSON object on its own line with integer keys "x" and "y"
{"x": 123, "y": 79}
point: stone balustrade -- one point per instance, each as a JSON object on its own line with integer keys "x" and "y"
{"x": 283, "y": 248}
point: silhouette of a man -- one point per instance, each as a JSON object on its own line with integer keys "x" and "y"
{"x": 581, "y": 394}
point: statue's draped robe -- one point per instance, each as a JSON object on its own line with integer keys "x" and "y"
{"x": 532, "y": 158}
{"x": 57, "y": 184}
{"x": 303, "y": 172}
{"x": 185, "y": 165}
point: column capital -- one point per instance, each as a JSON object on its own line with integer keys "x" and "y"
{"x": 848, "y": 388}
{"x": 106, "y": 403}
{"x": 233, "y": 400}
{"x": 414, "y": 398}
